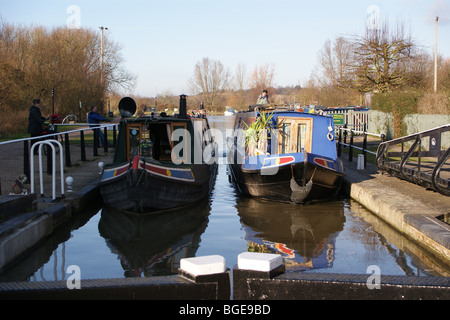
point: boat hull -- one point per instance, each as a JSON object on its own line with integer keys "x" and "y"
{"x": 324, "y": 183}
{"x": 149, "y": 188}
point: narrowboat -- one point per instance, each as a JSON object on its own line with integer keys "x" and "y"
{"x": 161, "y": 162}
{"x": 277, "y": 153}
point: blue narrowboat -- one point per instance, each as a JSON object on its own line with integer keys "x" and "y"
{"x": 277, "y": 153}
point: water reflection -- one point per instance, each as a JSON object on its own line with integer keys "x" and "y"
{"x": 45, "y": 263}
{"x": 153, "y": 245}
{"x": 304, "y": 235}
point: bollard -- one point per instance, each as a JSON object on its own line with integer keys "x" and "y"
{"x": 67, "y": 150}
{"x": 262, "y": 262}
{"x": 208, "y": 273}
{"x": 361, "y": 162}
{"x": 254, "y": 266}
{"x": 69, "y": 181}
{"x": 82, "y": 146}
{"x": 201, "y": 266}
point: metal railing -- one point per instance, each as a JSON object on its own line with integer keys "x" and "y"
{"x": 51, "y": 144}
{"x": 64, "y": 139}
{"x": 418, "y": 158}
{"x": 344, "y": 132}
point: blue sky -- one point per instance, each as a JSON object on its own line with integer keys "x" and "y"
{"x": 162, "y": 40}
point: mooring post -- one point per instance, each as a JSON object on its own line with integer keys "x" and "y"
{"x": 83, "y": 147}
{"x": 254, "y": 266}
{"x": 207, "y": 270}
{"x": 67, "y": 150}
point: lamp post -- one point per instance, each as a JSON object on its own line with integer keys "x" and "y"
{"x": 435, "y": 56}
{"x": 101, "y": 54}
{"x": 101, "y": 62}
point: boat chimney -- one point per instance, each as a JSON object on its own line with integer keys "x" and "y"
{"x": 183, "y": 107}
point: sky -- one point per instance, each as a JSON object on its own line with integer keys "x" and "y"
{"x": 162, "y": 40}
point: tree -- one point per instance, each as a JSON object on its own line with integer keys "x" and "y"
{"x": 262, "y": 77}
{"x": 35, "y": 60}
{"x": 380, "y": 57}
{"x": 336, "y": 63}
{"x": 210, "y": 78}
{"x": 240, "y": 82}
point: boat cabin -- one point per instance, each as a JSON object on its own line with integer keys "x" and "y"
{"x": 155, "y": 138}
{"x": 294, "y": 132}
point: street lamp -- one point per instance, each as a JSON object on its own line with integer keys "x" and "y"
{"x": 435, "y": 56}
{"x": 101, "y": 54}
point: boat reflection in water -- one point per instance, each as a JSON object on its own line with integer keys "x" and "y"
{"x": 303, "y": 235}
{"x": 153, "y": 245}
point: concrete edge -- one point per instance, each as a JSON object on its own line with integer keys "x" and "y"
{"x": 23, "y": 232}
{"x": 172, "y": 287}
{"x": 426, "y": 230}
{"x": 318, "y": 286}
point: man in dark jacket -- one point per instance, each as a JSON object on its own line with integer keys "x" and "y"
{"x": 35, "y": 120}
{"x": 94, "y": 117}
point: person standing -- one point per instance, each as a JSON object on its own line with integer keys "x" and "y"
{"x": 35, "y": 121}
{"x": 95, "y": 118}
{"x": 263, "y": 98}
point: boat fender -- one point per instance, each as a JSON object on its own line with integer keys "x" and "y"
{"x": 330, "y": 136}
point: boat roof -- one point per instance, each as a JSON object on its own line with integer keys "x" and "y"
{"x": 281, "y": 109}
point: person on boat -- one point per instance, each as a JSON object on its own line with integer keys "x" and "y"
{"x": 263, "y": 98}
{"x": 95, "y": 118}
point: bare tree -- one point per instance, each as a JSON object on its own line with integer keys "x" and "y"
{"x": 240, "y": 82}
{"x": 35, "y": 60}
{"x": 262, "y": 77}
{"x": 381, "y": 55}
{"x": 210, "y": 78}
{"x": 336, "y": 63}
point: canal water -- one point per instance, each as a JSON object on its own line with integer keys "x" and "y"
{"x": 333, "y": 237}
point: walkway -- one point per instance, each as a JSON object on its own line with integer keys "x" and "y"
{"x": 83, "y": 172}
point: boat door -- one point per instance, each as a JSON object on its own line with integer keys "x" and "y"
{"x": 133, "y": 140}
{"x": 295, "y": 135}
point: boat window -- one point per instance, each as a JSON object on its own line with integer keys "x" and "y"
{"x": 295, "y": 134}
{"x": 301, "y": 137}
{"x": 285, "y": 138}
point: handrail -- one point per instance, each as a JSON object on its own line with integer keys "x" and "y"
{"x": 91, "y": 127}
{"x": 416, "y": 175}
{"x": 94, "y": 127}
{"x": 436, "y": 172}
{"x": 380, "y": 135}
{"x": 407, "y": 156}
{"x": 352, "y": 146}
{"x": 50, "y": 143}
